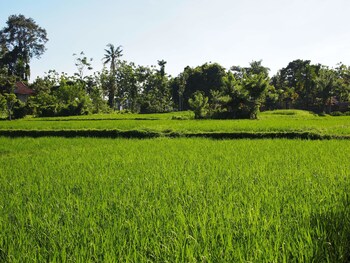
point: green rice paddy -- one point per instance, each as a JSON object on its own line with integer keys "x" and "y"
{"x": 275, "y": 121}
{"x": 174, "y": 200}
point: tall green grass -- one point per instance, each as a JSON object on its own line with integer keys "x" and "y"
{"x": 174, "y": 200}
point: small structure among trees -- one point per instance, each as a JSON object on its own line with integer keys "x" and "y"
{"x": 22, "y": 91}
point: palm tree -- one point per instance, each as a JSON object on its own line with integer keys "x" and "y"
{"x": 256, "y": 86}
{"x": 162, "y": 63}
{"x": 111, "y": 57}
{"x": 256, "y": 67}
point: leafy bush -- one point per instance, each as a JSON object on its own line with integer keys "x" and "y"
{"x": 155, "y": 106}
{"x": 337, "y": 113}
{"x": 199, "y": 104}
{"x": 180, "y": 118}
{"x": 80, "y": 106}
{"x": 322, "y": 114}
{"x": 126, "y": 111}
{"x": 46, "y": 110}
{"x": 20, "y": 110}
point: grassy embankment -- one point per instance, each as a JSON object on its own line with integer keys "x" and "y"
{"x": 288, "y": 124}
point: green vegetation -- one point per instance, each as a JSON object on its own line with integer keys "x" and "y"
{"x": 20, "y": 40}
{"x": 171, "y": 197}
{"x": 174, "y": 200}
{"x": 210, "y": 90}
{"x": 285, "y": 121}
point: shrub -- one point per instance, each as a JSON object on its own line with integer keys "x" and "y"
{"x": 126, "y": 111}
{"x": 199, "y": 104}
{"x": 20, "y": 110}
{"x": 337, "y": 113}
{"x": 180, "y": 118}
{"x": 47, "y": 110}
{"x": 322, "y": 114}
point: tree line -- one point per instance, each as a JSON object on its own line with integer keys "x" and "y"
{"x": 210, "y": 90}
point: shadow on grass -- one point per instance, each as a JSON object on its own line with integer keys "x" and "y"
{"x": 144, "y": 134}
{"x": 332, "y": 234}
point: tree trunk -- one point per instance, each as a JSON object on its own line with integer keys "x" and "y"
{"x": 253, "y": 115}
{"x": 111, "y": 98}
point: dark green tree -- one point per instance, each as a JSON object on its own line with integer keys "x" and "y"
{"x": 155, "y": 89}
{"x": 60, "y": 95}
{"x": 343, "y": 76}
{"x": 7, "y": 97}
{"x": 300, "y": 76}
{"x": 161, "y": 64}
{"x": 327, "y": 85}
{"x": 45, "y": 103}
{"x": 247, "y": 87}
{"x": 255, "y": 67}
{"x": 129, "y": 91}
{"x": 20, "y": 41}
{"x": 8, "y": 102}
{"x": 199, "y": 104}
{"x": 96, "y": 93}
{"x": 204, "y": 78}
{"x": 178, "y": 86}
{"x": 256, "y": 85}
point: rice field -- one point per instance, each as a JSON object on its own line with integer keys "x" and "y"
{"x": 276, "y": 121}
{"x": 174, "y": 200}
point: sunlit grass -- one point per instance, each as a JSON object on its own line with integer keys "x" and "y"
{"x": 174, "y": 200}
{"x": 278, "y": 121}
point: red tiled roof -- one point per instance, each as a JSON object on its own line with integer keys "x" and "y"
{"x": 21, "y": 88}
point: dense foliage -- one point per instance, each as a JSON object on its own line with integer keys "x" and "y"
{"x": 20, "y": 41}
{"x": 210, "y": 90}
{"x": 184, "y": 199}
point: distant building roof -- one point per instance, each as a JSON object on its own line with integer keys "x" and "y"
{"x": 22, "y": 89}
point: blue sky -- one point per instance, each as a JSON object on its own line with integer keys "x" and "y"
{"x": 189, "y": 32}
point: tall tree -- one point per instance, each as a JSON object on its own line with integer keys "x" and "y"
{"x": 178, "y": 86}
{"x": 343, "y": 75}
{"x": 286, "y": 95}
{"x": 203, "y": 78}
{"x": 327, "y": 84}
{"x": 128, "y": 89}
{"x": 161, "y": 64}
{"x": 82, "y": 63}
{"x": 7, "y": 97}
{"x": 300, "y": 75}
{"x": 247, "y": 87}
{"x": 199, "y": 104}
{"x": 255, "y": 67}
{"x": 155, "y": 87}
{"x": 256, "y": 86}
{"x": 20, "y": 41}
{"x": 111, "y": 57}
